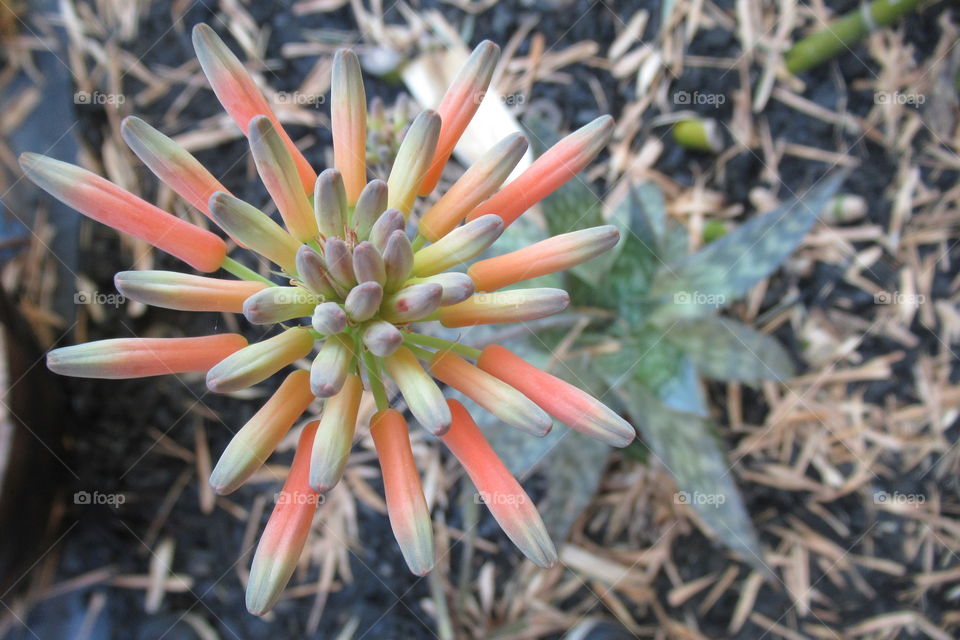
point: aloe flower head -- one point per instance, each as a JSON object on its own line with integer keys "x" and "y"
{"x": 362, "y": 266}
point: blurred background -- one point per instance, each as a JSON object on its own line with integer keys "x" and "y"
{"x": 797, "y": 475}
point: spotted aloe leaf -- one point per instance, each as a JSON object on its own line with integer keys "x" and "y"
{"x": 726, "y": 269}
{"x": 725, "y": 349}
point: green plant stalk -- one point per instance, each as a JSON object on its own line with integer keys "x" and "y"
{"x": 698, "y": 134}
{"x": 244, "y": 273}
{"x": 845, "y": 32}
{"x": 440, "y": 343}
{"x": 376, "y": 382}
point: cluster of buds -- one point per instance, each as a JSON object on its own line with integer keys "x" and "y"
{"x": 362, "y": 273}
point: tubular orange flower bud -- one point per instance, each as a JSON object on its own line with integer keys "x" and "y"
{"x": 348, "y": 117}
{"x": 329, "y": 318}
{"x": 331, "y": 447}
{"x": 476, "y": 185}
{"x": 330, "y": 203}
{"x": 368, "y": 264}
{"x": 174, "y": 290}
{"x": 286, "y": 532}
{"x": 278, "y": 172}
{"x": 143, "y": 357}
{"x": 255, "y": 229}
{"x": 406, "y": 506}
{"x": 491, "y": 393}
{"x": 458, "y": 246}
{"x": 382, "y": 338}
{"x": 499, "y": 490}
{"x": 170, "y": 162}
{"x": 515, "y": 305}
{"x": 422, "y": 394}
{"x": 239, "y": 95}
{"x": 458, "y": 106}
{"x": 330, "y": 367}
{"x": 412, "y": 303}
{"x": 363, "y": 301}
{"x": 313, "y": 273}
{"x": 279, "y": 304}
{"x": 457, "y": 287}
{"x": 568, "y": 404}
{"x": 108, "y": 204}
{"x": 259, "y": 437}
{"x": 412, "y": 161}
{"x": 339, "y": 263}
{"x": 549, "y": 172}
{"x": 371, "y": 203}
{"x": 547, "y": 256}
{"x": 259, "y": 361}
{"x": 397, "y": 260}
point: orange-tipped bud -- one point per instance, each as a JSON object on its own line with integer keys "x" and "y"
{"x": 259, "y": 437}
{"x": 286, "y": 532}
{"x": 331, "y": 366}
{"x": 549, "y": 172}
{"x": 458, "y": 246}
{"x": 259, "y": 361}
{"x": 185, "y": 292}
{"x": 278, "y": 172}
{"x": 476, "y": 185}
{"x": 371, "y": 203}
{"x": 382, "y": 338}
{"x": 547, "y": 256}
{"x": 368, "y": 264}
{"x": 457, "y": 287}
{"x": 406, "y": 506}
{"x": 412, "y": 161}
{"x": 515, "y": 305}
{"x": 255, "y": 229}
{"x": 363, "y": 301}
{"x": 105, "y": 202}
{"x": 279, "y": 304}
{"x": 565, "y": 402}
{"x": 397, "y": 260}
{"x": 412, "y": 303}
{"x": 499, "y": 490}
{"x": 458, "y": 106}
{"x": 239, "y": 95}
{"x": 170, "y": 162}
{"x": 348, "y": 117}
{"x": 329, "y": 318}
{"x": 330, "y": 203}
{"x": 331, "y": 447}
{"x": 422, "y": 394}
{"x": 491, "y": 393}
{"x": 143, "y": 357}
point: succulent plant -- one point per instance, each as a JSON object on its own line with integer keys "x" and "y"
{"x": 351, "y": 283}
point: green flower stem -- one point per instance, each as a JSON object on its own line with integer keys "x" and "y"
{"x": 440, "y": 343}
{"x": 376, "y": 381}
{"x": 422, "y": 354}
{"x": 244, "y": 273}
{"x": 844, "y": 33}
{"x": 418, "y": 242}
